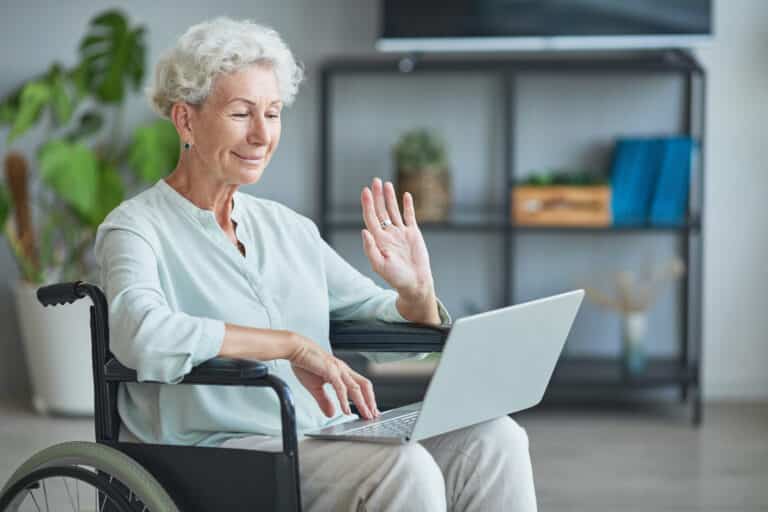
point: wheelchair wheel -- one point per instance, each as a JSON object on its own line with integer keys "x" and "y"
{"x": 83, "y": 476}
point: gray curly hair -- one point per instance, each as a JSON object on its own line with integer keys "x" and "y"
{"x": 222, "y": 45}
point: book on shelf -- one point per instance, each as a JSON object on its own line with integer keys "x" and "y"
{"x": 650, "y": 180}
{"x": 670, "y": 199}
{"x": 633, "y": 177}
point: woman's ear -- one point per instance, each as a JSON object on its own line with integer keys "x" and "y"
{"x": 181, "y": 117}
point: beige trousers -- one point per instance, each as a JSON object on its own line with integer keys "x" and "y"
{"x": 485, "y": 467}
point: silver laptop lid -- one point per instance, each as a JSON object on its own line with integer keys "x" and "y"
{"x": 496, "y": 363}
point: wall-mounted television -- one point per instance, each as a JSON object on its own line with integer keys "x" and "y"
{"x": 500, "y": 25}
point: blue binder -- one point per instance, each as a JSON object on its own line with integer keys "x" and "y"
{"x": 633, "y": 179}
{"x": 670, "y": 200}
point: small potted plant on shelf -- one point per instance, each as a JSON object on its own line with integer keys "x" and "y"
{"x": 562, "y": 198}
{"x": 635, "y": 295}
{"x": 50, "y": 217}
{"x": 422, "y": 169}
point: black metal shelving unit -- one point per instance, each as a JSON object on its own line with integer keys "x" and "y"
{"x": 681, "y": 371}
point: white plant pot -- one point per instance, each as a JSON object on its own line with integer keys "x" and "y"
{"x": 57, "y": 348}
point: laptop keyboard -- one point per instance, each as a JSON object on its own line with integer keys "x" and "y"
{"x": 396, "y": 427}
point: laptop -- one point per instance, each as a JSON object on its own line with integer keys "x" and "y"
{"x": 493, "y": 364}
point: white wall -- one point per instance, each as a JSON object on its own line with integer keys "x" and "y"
{"x": 736, "y": 234}
{"x": 736, "y": 348}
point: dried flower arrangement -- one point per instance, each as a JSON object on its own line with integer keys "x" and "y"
{"x": 636, "y": 292}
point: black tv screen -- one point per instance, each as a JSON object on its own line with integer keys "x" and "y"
{"x": 408, "y": 25}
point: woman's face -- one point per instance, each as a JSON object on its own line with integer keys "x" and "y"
{"x": 237, "y": 128}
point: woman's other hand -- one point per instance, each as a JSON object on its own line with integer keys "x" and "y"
{"x": 394, "y": 244}
{"x": 315, "y": 367}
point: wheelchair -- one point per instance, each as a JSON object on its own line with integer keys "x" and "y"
{"x": 111, "y": 475}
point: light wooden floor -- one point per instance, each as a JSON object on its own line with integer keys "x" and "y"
{"x": 585, "y": 459}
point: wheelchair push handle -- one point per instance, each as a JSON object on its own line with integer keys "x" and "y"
{"x": 60, "y": 293}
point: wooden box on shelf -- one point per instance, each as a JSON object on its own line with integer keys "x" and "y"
{"x": 561, "y": 205}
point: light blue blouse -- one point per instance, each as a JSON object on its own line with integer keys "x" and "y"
{"x": 173, "y": 279}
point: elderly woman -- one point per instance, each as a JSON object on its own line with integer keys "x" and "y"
{"x": 194, "y": 269}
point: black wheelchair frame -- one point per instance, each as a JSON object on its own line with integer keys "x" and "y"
{"x": 202, "y": 479}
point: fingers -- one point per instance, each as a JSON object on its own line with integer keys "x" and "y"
{"x": 379, "y": 201}
{"x": 369, "y": 213}
{"x": 350, "y": 385}
{"x": 367, "y": 391}
{"x": 315, "y": 367}
{"x": 392, "y": 208}
{"x": 379, "y": 204}
{"x": 337, "y": 381}
{"x": 360, "y": 390}
{"x": 323, "y": 401}
{"x": 355, "y": 392}
{"x": 375, "y": 256}
{"x": 408, "y": 211}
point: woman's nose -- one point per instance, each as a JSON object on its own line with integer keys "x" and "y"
{"x": 258, "y": 132}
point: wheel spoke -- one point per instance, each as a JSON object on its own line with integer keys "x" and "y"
{"x": 32, "y": 495}
{"x": 69, "y": 494}
{"x": 45, "y": 494}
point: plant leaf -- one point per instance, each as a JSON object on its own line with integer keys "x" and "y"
{"x": 5, "y": 206}
{"x": 9, "y": 106}
{"x": 34, "y": 96}
{"x": 137, "y": 57}
{"x": 72, "y": 171}
{"x": 154, "y": 150}
{"x": 110, "y": 193}
{"x": 61, "y": 103}
{"x": 79, "y": 78}
{"x": 7, "y": 112}
{"x": 109, "y": 52}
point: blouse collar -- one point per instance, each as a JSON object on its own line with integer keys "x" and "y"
{"x": 192, "y": 209}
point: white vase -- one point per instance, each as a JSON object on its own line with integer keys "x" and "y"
{"x": 634, "y": 353}
{"x": 57, "y": 348}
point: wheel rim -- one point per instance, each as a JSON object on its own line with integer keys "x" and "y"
{"x": 132, "y": 481}
{"x": 67, "y": 488}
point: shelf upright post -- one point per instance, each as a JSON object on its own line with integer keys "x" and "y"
{"x": 698, "y": 304}
{"x": 508, "y": 252}
{"x": 325, "y": 151}
{"x": 685, "y": 240}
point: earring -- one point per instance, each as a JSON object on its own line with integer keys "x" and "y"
{"x": 187, "y": 145}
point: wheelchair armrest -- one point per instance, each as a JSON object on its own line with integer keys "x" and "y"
{"x": 223, "y": 371}
{"x": 219, "y": 370}
{"x": 378, "y": 336}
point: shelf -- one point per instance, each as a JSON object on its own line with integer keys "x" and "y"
{"x": 570, "y": 372}
{"x": 608, "y": 372}
{"x": 394, "y": 389}
{"x": 474, "y": 221}
{"x": 588, "y": 374}
{"x": 459, "y": 220}
{"x": 557, "y": 62}
{"x": 685, "y": 228}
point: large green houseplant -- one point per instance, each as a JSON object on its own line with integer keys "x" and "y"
{"x": 85, "y": 164}
{"x": 84, "y": 167}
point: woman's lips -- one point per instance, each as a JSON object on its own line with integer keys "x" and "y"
{"x": 249, "y": 159}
